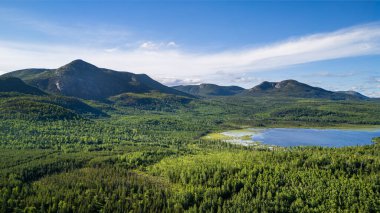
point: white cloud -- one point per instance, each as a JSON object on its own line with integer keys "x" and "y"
{"x": 152, "y": 57}
{"x": 176, "y": 81}
{"x": 373, "y": 94}
{"x": 168, "y": 60}
{"x": 110, "y": 50}
{"x": 83, "y": 33}
{"x": 150, "y": 45}
{"x": 171, "y": 44}
{"x": 369, "y": 88}
{"x": 331, "y": 74}
{"x": 357, "y": 41}
{"x": 249, "y": 80}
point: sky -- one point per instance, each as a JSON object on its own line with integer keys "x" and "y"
{"x": 330, "y": 44}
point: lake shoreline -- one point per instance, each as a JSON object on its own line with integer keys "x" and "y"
{"x": 328, "y": 137}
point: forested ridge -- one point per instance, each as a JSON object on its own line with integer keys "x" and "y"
{"x": 145, "y": 153}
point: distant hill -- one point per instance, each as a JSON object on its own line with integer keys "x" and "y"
{"x": 292, "y": 88}
{"x": 353, "y": 93}
{"x": 83, "y": 80}
{"x": 151, "y": 101}
{"x": 286, "y": 88}
{"x": 11, "y": 84}
{"x": 209, "y": 90}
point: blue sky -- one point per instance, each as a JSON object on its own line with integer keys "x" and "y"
{"x": 335, "y": 45}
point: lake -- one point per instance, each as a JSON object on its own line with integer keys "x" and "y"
{"x": 314, "y": 137}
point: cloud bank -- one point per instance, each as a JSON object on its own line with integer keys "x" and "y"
{"x": 167, "y": 60}
{"x": 172, "y": 64}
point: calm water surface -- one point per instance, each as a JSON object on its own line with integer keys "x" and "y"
{"x": 315, "y": 137}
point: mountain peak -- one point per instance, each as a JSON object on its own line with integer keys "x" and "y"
{"x": 289, "y": 82}
{"x": 78, "y": 62}
{"x": 204, "y": 85}
{"x": 289, "y": 86}
{"x": 77, "y": 67}
{"x": 266, "y": 85}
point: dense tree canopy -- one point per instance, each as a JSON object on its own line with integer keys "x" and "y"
{"x": 153, "y": 159}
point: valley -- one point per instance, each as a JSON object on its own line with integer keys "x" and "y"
{"x": 140, "y": 146}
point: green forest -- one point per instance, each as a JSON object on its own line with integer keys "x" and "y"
{"x": 145, "y": 153}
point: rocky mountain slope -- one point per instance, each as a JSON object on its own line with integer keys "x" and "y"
{"x": 83, "y": 80}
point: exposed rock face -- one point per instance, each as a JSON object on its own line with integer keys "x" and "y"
{"x": 83, "y": 80}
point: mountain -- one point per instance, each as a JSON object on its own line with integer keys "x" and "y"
{"x": 292, "y": 88}
{"x": 209, "y": 90}
{"x": 83, "y": 80}
{"x": 353, "y": 93}
{"x": 11, "y": 84}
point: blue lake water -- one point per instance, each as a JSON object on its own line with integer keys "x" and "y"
{"x": 315, "y": 137}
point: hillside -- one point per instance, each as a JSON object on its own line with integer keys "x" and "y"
{"x": 11, "y": 84}
{"x": 151, "y": 101}
{"x": 83, "y": 80}
{"x": 21, "y": 101}
{"x": 47, "y": 107}
{"x": 209, "y": 90}
{"x": 292, "y": 88}
{"x": 27, "y": 109}
{"x": 353, "y": 93}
